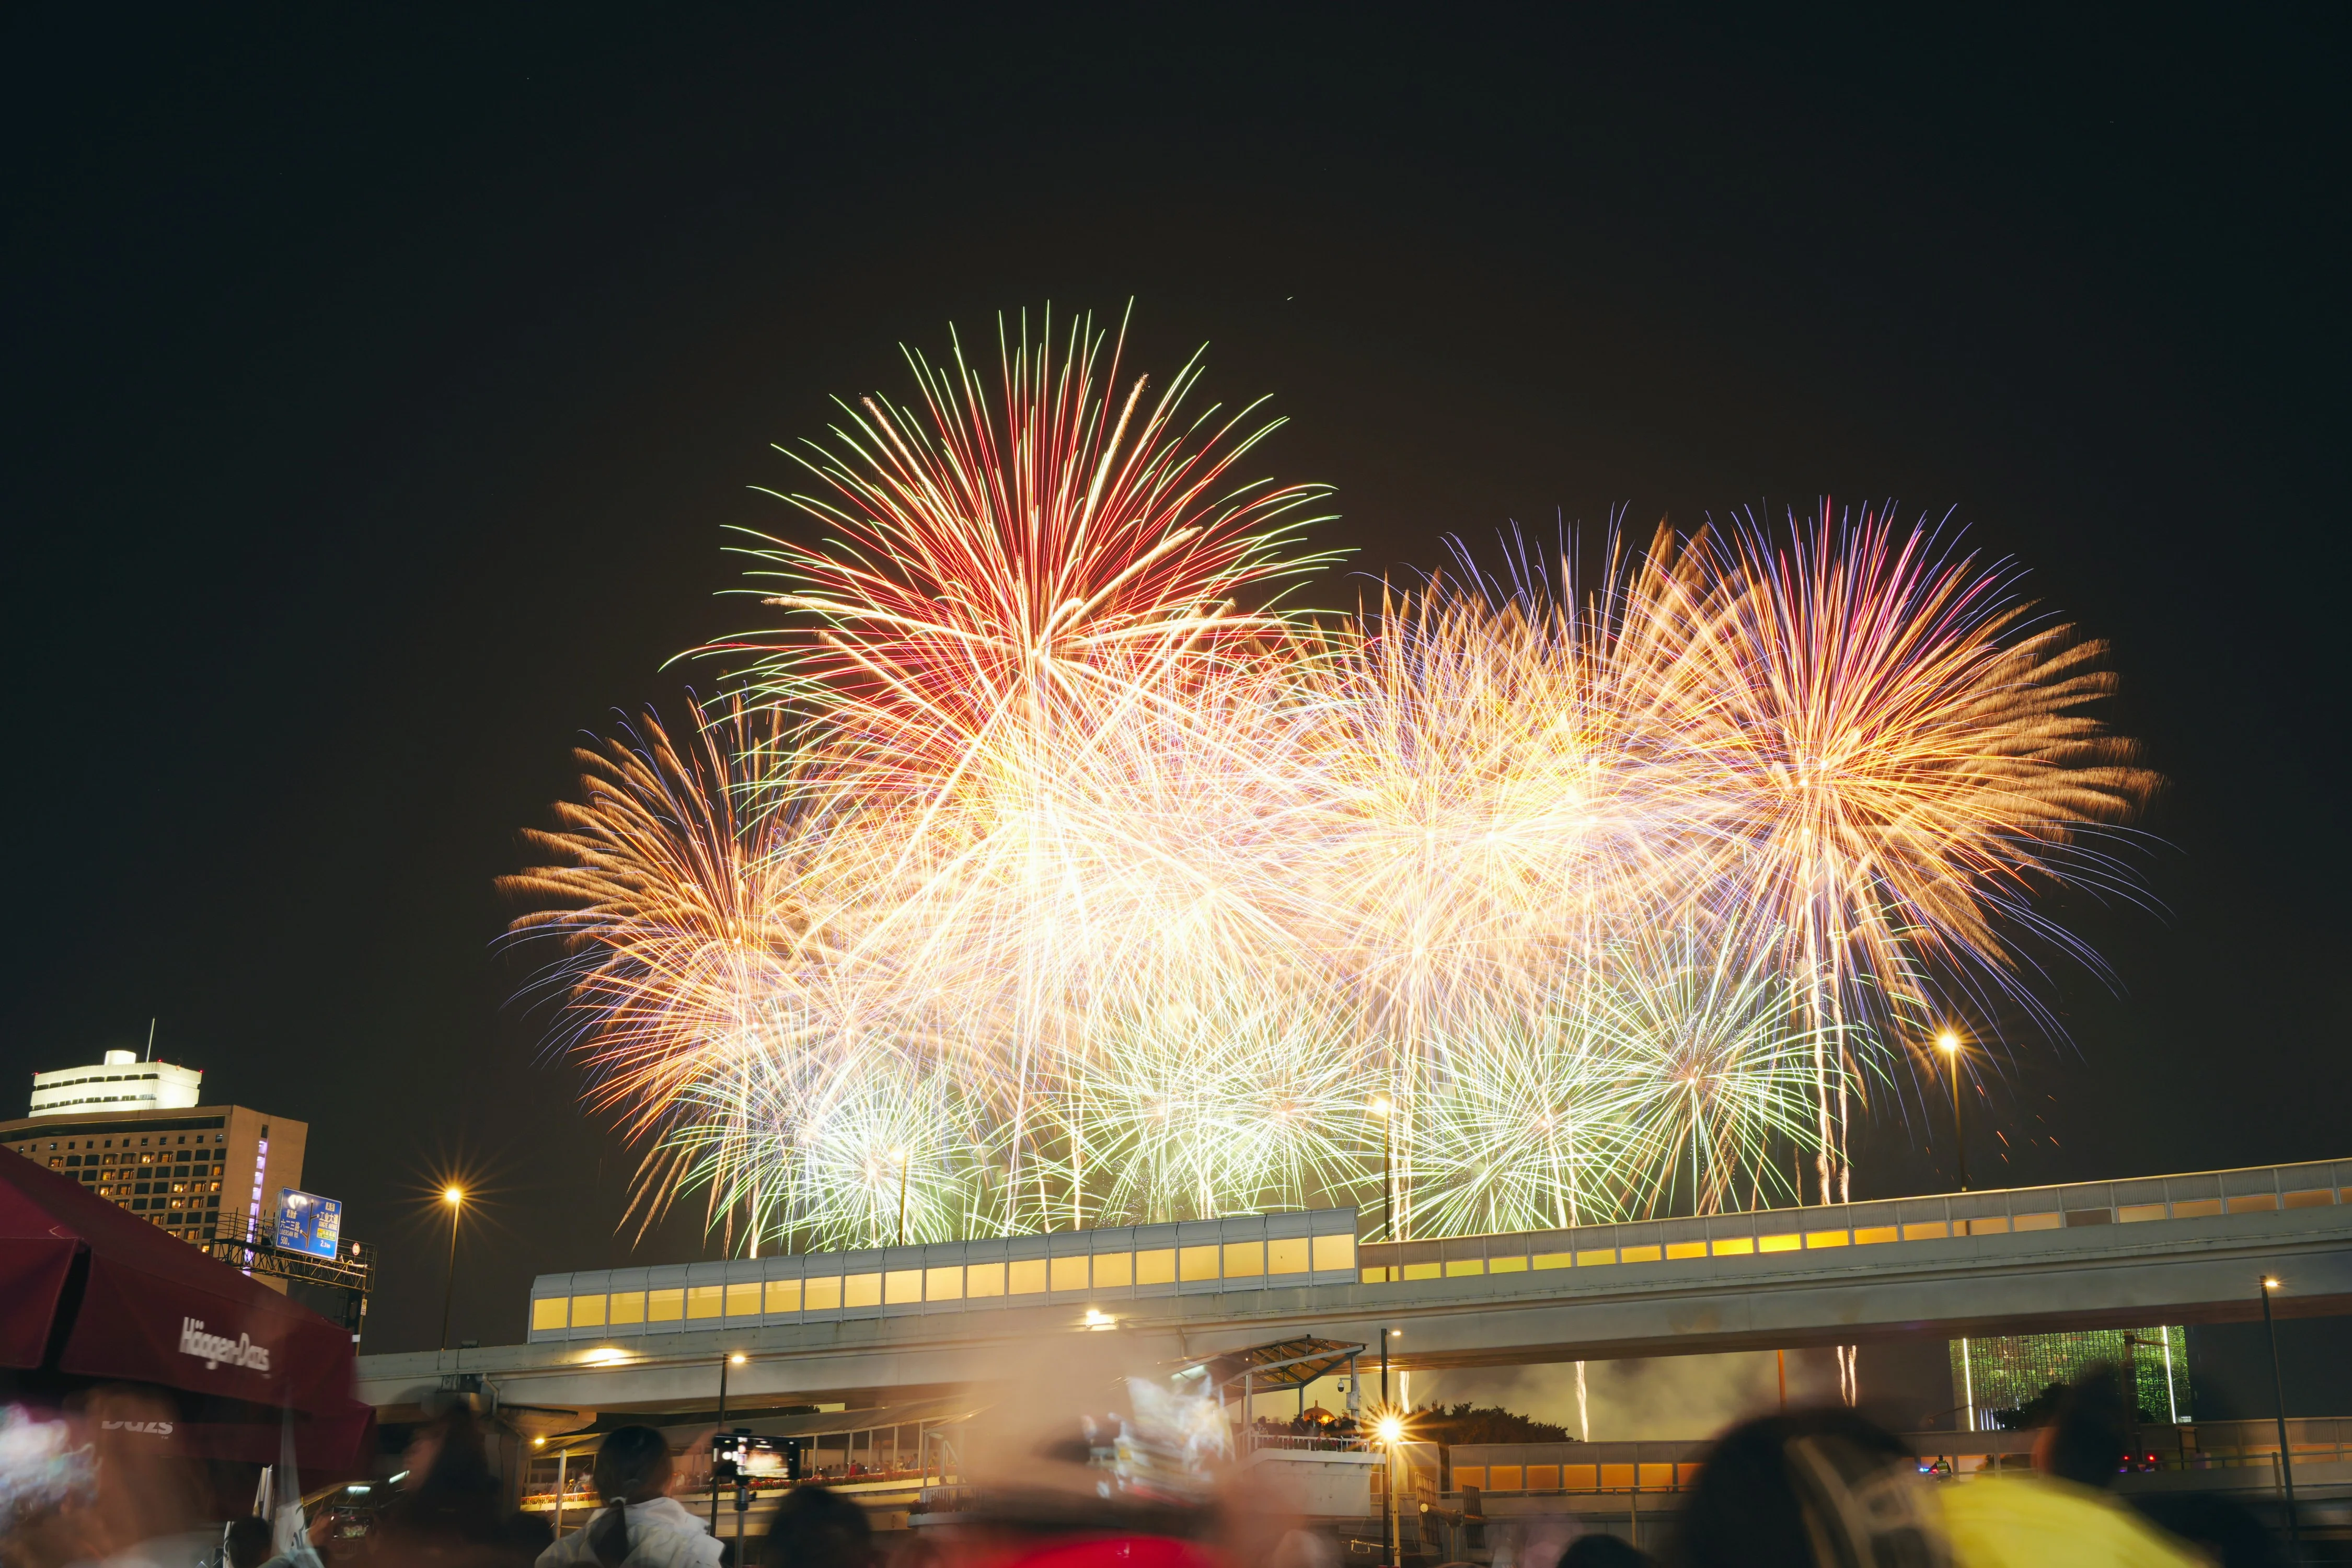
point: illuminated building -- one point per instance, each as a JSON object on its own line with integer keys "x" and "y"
{"x": 197, "y": 1172}
{"x": 2004, "y": 1375}
{"x": 121, "y": 1082}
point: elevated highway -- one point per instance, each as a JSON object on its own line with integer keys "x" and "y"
{"x": 2172, "y": 1249}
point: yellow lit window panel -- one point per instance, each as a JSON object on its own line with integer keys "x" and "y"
{"x": 1926, "y": 1230}
{"x": 822, "y": 1295}
{"x": 547, "y": 1312}
{"x": 2248, "y": 1203}
{"x": 705, "y": 1300}
{"x": 1334, "y": 1252}
{"x": 1027, "y": 1276}
{"x": 1554, "y": 1259}
{"x": 900, "y": 1286}
{"x": 629, "y": 1307}
{"x": 1244, "y": 1260}
{"x": 1457, "y": 1267}
{"x": 587, "y": 1311}
{"x": 1376, "y": 1276}
{"x": 1638, "y": 1254}
{"x": 985, "y": 1279}
{"x": 1421, "y": 1271}
{"x": 1686, "y": 1249}
{"x": 2134, "y": 1213}
{"x": 1657, "y": 1478}
{"x": 1507, "y": 1266}
{"x": 1503, "y": 1478}
{"x": 1779, "y": 1243}
{"x": 2311, "y": 1198}
{"x": 1288, "y": 1255}
{"x": 1873, "y": 1234}
{"x": 744, "y": 1299}
{"x": 1156, "y": 1267}
{"x": 1579, "y": 1477}
{"x": 2195, "y": 1208}
{"x": 943, "y": 1284}
{"x": 1991, "y": 1225}
{"x": 1733, "y": 1245}
{"x": 783, "y": 1295}
{"x": 1067, "y": 1273}
{"x": 861, "y": 1290}
{"x": 1596, "y": 1259}
{"x": 666, "y": 1306}
{"x": 1617, "y": 1477}
{"x": 1469, "y": 1476}
{"x": 1196, "y": 1263}
{"x": 1819, "y": 1239}
{"x": 1114, "y": 1270}
{"x": 2037, "y": 1222}
{"x": 1686, "y": 1476}
{"x": 1543, "y": 1478}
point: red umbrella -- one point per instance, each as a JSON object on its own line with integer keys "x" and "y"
{"x": 93, "y": 1293}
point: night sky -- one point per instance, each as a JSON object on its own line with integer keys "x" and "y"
{"x": 378, "y": 390}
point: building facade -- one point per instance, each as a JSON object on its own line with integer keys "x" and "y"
{"x": 1994, "y": 1379}
{"x": 196, "y": 1172}
{"x": 121, "y": 1082}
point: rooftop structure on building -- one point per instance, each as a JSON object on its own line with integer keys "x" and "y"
{"x": 134, "y": 1132}
{"x": 121, "y": 1082}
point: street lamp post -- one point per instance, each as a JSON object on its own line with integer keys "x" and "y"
{"x": 1383, "y": 1109}
{"x": 1951, "y": 1044}
{"x": 733, "y": 1358}
{"x": 455, "y": 1197}
{"x": 2278, "y": 1391}
{"x": 900, "y": 1155}
{"x": 1389, "y": 1431}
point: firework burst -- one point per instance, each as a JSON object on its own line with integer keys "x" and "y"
{"x": 1044, "y": 872}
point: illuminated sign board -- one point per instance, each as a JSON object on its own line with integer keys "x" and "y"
{"x": 308, "y": 1223}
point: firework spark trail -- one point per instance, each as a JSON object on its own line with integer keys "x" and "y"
{"x": 1059, "y": 876}
{"x": 1015, "y": 607}
{"x": 1906, "y": 760}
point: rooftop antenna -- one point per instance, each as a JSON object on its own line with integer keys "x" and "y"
{"x": 151, "y": 1039}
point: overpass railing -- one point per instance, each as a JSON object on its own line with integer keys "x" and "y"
{"x": 1531, "y": 1470}
{"x": 2207, "y": 1195}
{"x": 1091, "y": 1268}
{"x": 1083, "y": 1268}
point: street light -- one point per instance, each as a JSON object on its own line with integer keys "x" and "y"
{"x": 732, "y": 1358}
{"x": 1951, "y": 1044}
{"x": 1382, "y": 1108}
{"x": 454, "y": 1199}
{"x": 2278, "y": 1391}
{"x": 900, "y": 1155}
{"x": 1388, "y": 1431}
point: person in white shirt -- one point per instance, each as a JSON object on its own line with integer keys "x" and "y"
{"x": 640, "y": 1525}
